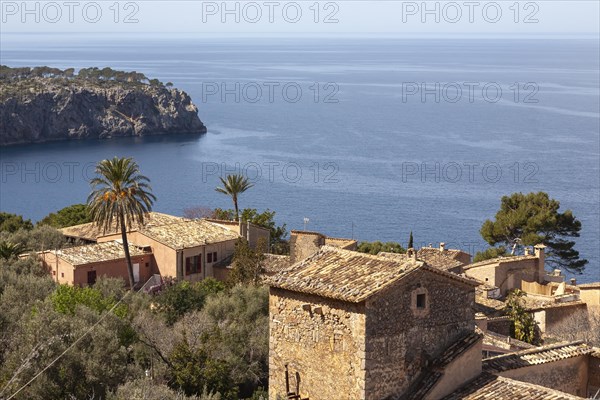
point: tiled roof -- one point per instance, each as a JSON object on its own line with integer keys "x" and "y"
{"x": 436, "y": 370}
{"x": 593, "y": 285}
{"x": 439, "y": 259}
{"x": 347, "y": 275}
{"x": 436, "y": 260}
{"x": 189, "y": 233}
{"x": 91, "y": 231}
{"x": 97, "y": 252}
{"x": 488, "y": 306}
{"x": 544, "y": 305}
{"x": 234, "y": 224}
{"x": 491, "y": 387}
{"x": 504, "y": 342}
{"x": 500, "y": 260}
{"x": 343, "y": 274}
{"x": 453, "y": 254}
{"x": 536, "y": 356}
{"x": 273, "y": 263}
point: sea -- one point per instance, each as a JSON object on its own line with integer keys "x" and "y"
{"x": 369, "y": 138}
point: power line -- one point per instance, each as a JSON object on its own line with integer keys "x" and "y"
{"x": 75, "y": 342}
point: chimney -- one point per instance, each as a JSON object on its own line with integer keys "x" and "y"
{"x": 541, "y": 260}
{"x": 525, "y": 250}
{"x": 442, "y": 246}
{"x": 411, "y": 253}
{"x": 573, "y": 281}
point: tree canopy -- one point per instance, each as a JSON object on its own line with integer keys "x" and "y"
{"x": 13, "y": 222}
{"x": 376, "y": 247}
{"x": 533, "y": 218}
{"x": 72, "y": 215}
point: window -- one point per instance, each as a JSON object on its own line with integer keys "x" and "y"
{"x": 209, "y": 258}
{"x": 215, "y": 256}
{"x": 53, "y": 272}
{"x": 147, "y": 265}
{"x": 421, "y": 300}
{"x": 62, "y": 274}
{"x": 192, "y": 265}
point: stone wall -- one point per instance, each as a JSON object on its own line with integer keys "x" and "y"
{"x": 322, "y": 340}
{"x": 402, "y": 338}
{"x": 569, "y": 375}
{"x": 593, "y": 375}
{"x": 552, "y": 317}
{"x": 304, "y": 244}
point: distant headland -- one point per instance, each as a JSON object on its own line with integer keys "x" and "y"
{"x": 46, "y": 104}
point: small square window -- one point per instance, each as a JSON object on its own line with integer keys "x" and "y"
{"x": 53, "y": 272}
{"x": 421, "y": 300}
{"x": 209, "y": 258}
{"x": 62, "y": 274}
{"x": 147, "y": 265}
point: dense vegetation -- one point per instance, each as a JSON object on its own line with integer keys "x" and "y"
{"x": 68, "y": 216}
{"x": 193, "y": 340}
{"x": 23, "y": 80}
{"x": 533, "y": 218}
{"x": 377, "y": 246}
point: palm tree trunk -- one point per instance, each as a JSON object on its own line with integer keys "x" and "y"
{"x": 235, "y": 205}
{"x": 127, "y": 255}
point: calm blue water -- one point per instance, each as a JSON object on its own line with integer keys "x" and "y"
{"x": 354, "y": 166}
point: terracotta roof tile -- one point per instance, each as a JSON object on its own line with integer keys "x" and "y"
{"x": 536, "y": 356}
{"x": 189, "y": 233}
{"x": 440, "y": 259}
{"x": 504, "y": 342}
{"x": 91, "y": 231}
{"x": 492, "y": 387}
{"x": 342, "y": 274}
{"x": 349, "y": 275}
{"x": 97, "y": 252}
{"x": 273, "y": 263}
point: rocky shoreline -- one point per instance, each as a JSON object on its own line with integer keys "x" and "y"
{"x": 45, "y": 104}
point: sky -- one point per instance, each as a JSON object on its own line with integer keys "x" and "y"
{"x": 304, "y": 18}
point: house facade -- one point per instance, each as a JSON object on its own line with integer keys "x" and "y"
{"x": 82, "y": 265}
{"x": 180, "y": 248}
{"x": 507, "y": 273}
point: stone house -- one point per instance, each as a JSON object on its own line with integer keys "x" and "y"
{"x": 572, "y": 368}
{"x": 348, "y": 325}
{"x": 507, "y": 273}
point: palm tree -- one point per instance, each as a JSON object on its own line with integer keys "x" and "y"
{"x": 10, "y": 250}
{"x": 233, "y": 185}
{"x": 120, "y": 198}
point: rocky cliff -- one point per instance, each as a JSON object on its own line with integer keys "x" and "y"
{"x": 40, "y": 106}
